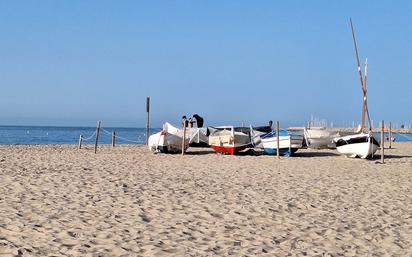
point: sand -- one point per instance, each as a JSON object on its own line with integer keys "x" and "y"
{"x": 56, "y": 200}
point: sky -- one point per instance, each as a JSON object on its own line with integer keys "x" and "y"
{"x": 71, "y": 63}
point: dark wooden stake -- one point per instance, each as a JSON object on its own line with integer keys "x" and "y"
{"x": 80, "y": 141}
{"x": 97, "y": 136}
{"x": 390, "y": 135}
{"x": 113, "y": 138}
{"x": 383, "y": 142}
{"x": 277, "y": 140}
{"x": 184, "y": 137}
{"x": 148, "y": 119}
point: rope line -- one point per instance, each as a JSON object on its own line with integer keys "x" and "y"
{"x": 90, "y": 137}
{"x": 122, "y": 138}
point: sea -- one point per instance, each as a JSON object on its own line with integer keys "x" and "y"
{"x": 15, "y": 135}
{"x": 70, "y": 135}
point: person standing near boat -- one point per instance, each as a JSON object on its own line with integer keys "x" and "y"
{"x": 185, "y": 122}
{"x": 199, "y": 120}
{"x": 191, "y": 122}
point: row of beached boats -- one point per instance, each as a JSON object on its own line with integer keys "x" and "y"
{"x": 224, "y": 139}
{"x": 231, "y": 140}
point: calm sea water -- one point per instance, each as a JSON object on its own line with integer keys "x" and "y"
{"x": 397, "y": 136}
{"x": 70, "y": 135}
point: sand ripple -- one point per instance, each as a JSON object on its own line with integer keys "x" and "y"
{"x": 59, "y": 201}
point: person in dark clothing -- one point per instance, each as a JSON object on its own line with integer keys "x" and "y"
{"x": 199, "y": 120}
{"x": 185, "y": 122}
{"x": 270, "y": 124}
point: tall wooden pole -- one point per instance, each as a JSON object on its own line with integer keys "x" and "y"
{"x": 382, "y": 142}
{"x": 184, "y": 137}
{"x": 80, "y": 141}
{"x": 360, "y": 74}
{"x": 390, "y": 135}
{"x": 148, "y": 119}
{"x": 113, "y": 138}
{"x": 97, "y": 136}
{"x": 277, "y": 140}
{"x": 363, "y": 83}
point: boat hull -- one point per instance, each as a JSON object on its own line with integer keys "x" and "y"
{"x": 288, "y": 144}
{"x": 320, "y": 138}
{"x": 282, "y": 151}
{"x": 362, "y": 150}
{"x": 228, "y": 149}
{"x": 229, "y": 141}
{"x": 164, "y": 142}
{"x": 320, "y": 143}
{"x": 362, "y": 145}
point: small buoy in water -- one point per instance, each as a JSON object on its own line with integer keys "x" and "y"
{"x": 47, "y": 133}
{"x": 28, "y": 132}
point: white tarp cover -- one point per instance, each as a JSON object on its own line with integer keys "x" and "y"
{"x": 195, "y": 135}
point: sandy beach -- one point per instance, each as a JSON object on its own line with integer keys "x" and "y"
{"x": 56, "y": 200}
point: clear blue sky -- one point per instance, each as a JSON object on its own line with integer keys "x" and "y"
{"x": 73, "y": 62}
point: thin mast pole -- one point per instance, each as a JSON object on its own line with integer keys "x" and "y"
{"x": 356, "y": 51}
{"x": 365, "y": 100}
{"x": 364, "y": 107}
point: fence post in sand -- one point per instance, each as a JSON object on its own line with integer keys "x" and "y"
{"x": 113, "y": 138}
{"x": 184, "y": 137}
{"x": 390, "y": 135}
{"x": 148, "y": 119}
{"x": 383, "y": 142}
{"x": 80, "y": 141}
{"x": 97, "y": 136}
{"x": 277, "y": 140}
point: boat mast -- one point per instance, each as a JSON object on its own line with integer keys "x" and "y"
{"x": 364, "y": 97}
{"x": 363, "y": 84}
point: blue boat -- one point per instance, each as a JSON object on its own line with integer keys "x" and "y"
{"x": 288, "y": 143}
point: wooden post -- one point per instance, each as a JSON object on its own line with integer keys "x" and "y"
{"x": 80, "y": 141}
{"x": 113, "y": 138}
{"x": 184, "y": 137}
{"x": 148, "y": 119}
{"x": 97, "y": 136}
{"x": 383, "y": 142}
{"x": 390, "y": 135}
{"x": 277, "y": 140}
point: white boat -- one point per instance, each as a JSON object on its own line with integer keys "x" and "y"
{"x": 288, "y": 143}
{"x": 227, "y": 140}
{"x": 169, "y": 140}
{"x": 362, "y": 145}
{"x": 320, "y": 138}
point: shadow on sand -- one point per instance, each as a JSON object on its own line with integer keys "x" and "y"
{"x": 199, "y": 152}
{"x": 315, "y": 154}
{"x": 305, "y": 154}
{"x": 205, "y": 151}
{"x": 391, "y": 156}
{"x": 254, "y": 152}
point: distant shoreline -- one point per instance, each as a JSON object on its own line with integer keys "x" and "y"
{"x": 337, "y": 129}
{"x": 88, "y": 127}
